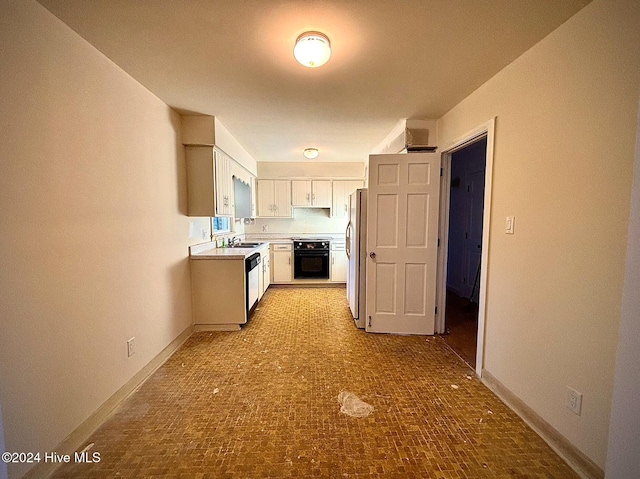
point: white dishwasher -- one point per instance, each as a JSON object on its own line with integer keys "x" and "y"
{"x": 253, "y": 285}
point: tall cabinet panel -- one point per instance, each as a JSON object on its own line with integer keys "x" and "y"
{"x": 341, "y": 191}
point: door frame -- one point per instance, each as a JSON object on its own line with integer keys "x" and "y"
{"x": 487, "y": 130}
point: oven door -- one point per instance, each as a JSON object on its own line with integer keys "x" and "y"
{"x": 311, "y": 264}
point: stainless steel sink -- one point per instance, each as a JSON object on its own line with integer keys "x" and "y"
{"x": 245, "y": 245}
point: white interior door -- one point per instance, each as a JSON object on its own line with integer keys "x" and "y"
{"x": 402, "y": 237}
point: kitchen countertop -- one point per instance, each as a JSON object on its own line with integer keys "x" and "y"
{"x": 209, "y": 251}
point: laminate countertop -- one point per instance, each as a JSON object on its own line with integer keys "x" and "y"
{"x": 209, "y": 251}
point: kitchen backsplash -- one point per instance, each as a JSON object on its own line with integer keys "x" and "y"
{"x": 305, "y": 220}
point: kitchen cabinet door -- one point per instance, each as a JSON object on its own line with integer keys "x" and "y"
{"x": 254, "y": 197}
{"x": 341, "y": 191}
{"x": 264, "y": 277}
{"x": 282, "y": 198}
{"x": 321, "y": 193}
{"x": 282, "y": 266}
{"x": 223, "y": 188}
{"x": 267, "y": 271}
{"x": 311, "y": 193}
{"x": 265, "y": 197}
{"x": 339, "y": 264}
{"x": 300, "y": 193}
{"x": 274, "y": 198}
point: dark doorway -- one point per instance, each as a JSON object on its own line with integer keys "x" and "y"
{"x": 466, "y": 209}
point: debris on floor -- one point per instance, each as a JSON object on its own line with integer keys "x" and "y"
{"x": 353, "y": 406}
{"x": 89, "y": 446}
{"x": 455, "y": 386}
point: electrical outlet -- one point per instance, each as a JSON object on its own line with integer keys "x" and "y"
{"x": 205, "y": 234}
{"x": 574, "y": 400}
{"x": 131, "y": 347}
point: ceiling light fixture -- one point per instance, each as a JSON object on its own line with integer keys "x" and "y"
{"x": 313, "y": 49}
{"x": 311, "y": 153}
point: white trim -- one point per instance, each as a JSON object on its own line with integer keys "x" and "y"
{"x": 577, "y": 460}
{"x": 79, "y": 436}
{"x": 486, "y": 129}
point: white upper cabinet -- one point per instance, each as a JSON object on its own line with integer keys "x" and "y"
{"x": 208, "y": 182}
{"x": 341, "y": 191}
{"x": 274, "y": 198}
{"x": 311, "y": 193}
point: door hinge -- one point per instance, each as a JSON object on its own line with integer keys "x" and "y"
{"x": 369, "y": 321}
{"x": 436, "y": 310}
{"x": 440, "y": 171}
{"x": 438, "y": 242}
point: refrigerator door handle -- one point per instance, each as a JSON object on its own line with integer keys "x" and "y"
{"x": 347, "y": 243}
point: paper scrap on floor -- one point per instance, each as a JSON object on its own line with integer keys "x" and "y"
{"x": 352, "y": 405}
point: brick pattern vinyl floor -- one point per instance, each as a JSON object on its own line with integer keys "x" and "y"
{"x": 262, "y": 403}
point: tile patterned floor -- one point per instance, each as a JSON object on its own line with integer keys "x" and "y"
{"x": 262, "y": 403}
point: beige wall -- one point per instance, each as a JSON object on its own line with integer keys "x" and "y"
{"x": 564, "y": 143}
{"x": 93, "y": 240}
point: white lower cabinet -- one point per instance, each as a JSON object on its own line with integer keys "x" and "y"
{"x": 282, "y": 263}
{"x": 264, "y": 278}
{"x": 339, "y": 263}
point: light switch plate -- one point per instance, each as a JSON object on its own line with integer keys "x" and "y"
{"x": 510, "y": 225}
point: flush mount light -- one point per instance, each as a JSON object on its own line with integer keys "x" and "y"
{"x": 311, "y": 153}
{"x": 312, "y": 49}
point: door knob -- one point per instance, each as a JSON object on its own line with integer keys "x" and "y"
{"x": 372, "y": 255}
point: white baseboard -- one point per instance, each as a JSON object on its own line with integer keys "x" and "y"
{"x": 74, "y": 441}
{"x": 216, "y": 327}
{"x": 579, "y": 462}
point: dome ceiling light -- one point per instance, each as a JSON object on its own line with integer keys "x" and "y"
{"x": 312, "y": 49}
{"x": 311, "y": 153}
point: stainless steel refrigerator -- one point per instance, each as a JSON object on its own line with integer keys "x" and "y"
{"x": 356, "y": 248}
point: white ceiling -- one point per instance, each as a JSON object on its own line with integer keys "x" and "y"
{"x": 391, "y": 60}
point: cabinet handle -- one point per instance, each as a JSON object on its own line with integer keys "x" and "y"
{"x": 333, "y": 259}
{"x": 307, "y": 198}
{"x": 289, "y": 260}
{"x": 346, "y": 208}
